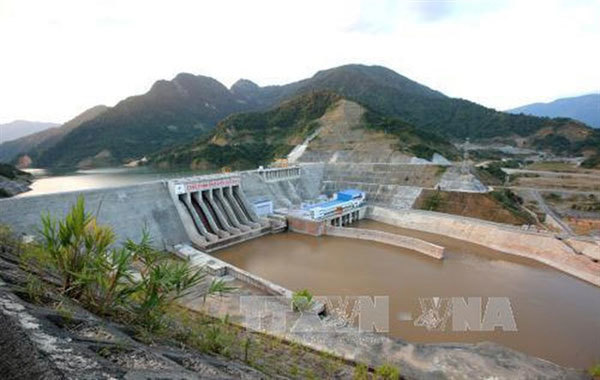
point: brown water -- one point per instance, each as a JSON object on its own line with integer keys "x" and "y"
{"x": 557, "y": 316}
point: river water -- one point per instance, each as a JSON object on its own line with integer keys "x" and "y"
{"x": 557, "y": 316}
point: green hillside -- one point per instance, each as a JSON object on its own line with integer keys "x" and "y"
{"x": 248, "y": 140}
{"x": 171, "y": 113}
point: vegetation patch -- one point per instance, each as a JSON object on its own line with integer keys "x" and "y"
{"x": 501, "y": 206}
{"x": 592, "y": 162}
{"x": 416, "y": 141}
{"x": 252, "y": 139}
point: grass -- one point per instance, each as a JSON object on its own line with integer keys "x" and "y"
{"x": 387, "y": 372}
{"x": 553, "y": 166}
{"x": 432, "y": 202}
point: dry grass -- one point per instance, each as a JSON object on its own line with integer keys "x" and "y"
{"x": 480, "y": 206}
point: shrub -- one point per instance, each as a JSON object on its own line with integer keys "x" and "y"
{"x": 74, "y": 243}
{"x": 302, "y": 300}
{"x": 432, "y": 202}
{"x": 34, "y": 288}
{"x": 361, "y": 372}
{"x": 162, "y": 281}
{"x": 102, "y": 277}
{"x": 387, "y": 372}
{"x": 594, "y": 371}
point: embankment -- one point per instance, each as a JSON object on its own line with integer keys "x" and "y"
{"x": 413, "y": 244}
{"x": 542, "y": 247}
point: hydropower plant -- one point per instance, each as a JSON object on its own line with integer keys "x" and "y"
{"x": 230, "y": 223}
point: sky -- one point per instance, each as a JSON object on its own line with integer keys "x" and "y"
{"x": 61, "y": 57}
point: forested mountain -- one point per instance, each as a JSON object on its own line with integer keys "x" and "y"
{"x": 19, "y": 128}
{"x": 31, "y": 146}
{"x": 174, "y": 112}
{"x": 170, "y": 113}
{"x": 585, "y": 108}
{"x": 251, "y": 139}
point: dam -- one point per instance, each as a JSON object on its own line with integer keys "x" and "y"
{"x": 216, "y": 215}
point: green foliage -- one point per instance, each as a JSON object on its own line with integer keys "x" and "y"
{"x": 302, "y": 300}
{"x": 108, "y": 280}
{"x": 162, "y": 282}
{"x": 102, "y": 277}
{"x": 34, "y": 288}
{"x": 417, "y": 141}
{"x": 218, "y": 338}
{"x": 492, "y": 173}
{"x": 432, "y": 203}
{"x": 512, "y": 202}
{"x": 592, "y": 162}
{"x": 218, "y": 287}
{"x": 553, "y": 142}
{"x": 74, "y": 244}
{"x": 255, "y": 138}
{"x": 387, "y": 372}
{"x": 361, "y": 372}
{"x": 595, "y": 370}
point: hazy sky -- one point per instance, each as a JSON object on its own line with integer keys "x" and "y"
{"x": 58, "y": 58}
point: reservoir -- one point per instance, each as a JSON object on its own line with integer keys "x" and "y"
{"x": 46, "y": 181}
{"x": 557, "y": 316}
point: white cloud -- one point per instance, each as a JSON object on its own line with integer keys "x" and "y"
{"x": 60, "y": 57}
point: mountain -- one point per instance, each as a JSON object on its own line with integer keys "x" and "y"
{"x": 189, "y": 106}
{"x": 585, "y": 108}
{"x": 324, "y": 121}
{"x": 19, "y": 128}
{"x": 28, "y": 148}
{"x": 171, "y": 112}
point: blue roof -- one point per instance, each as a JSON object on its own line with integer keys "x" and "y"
{"x": 351, "y": 192}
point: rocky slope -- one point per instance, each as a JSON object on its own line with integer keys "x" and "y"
{"x": 13, "y": 181}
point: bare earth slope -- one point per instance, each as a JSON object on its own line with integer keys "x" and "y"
{"x": 341, "y": 137}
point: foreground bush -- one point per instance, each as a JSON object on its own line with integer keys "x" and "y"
{"x": 102, "y": 277}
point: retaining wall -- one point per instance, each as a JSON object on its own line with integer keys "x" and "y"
{"x": 542, "y": 247}
{"x": 413, "y": 244}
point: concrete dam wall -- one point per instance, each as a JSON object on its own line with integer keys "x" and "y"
{"x": 127, "y": 209}
{"x": 214, "y": 211}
